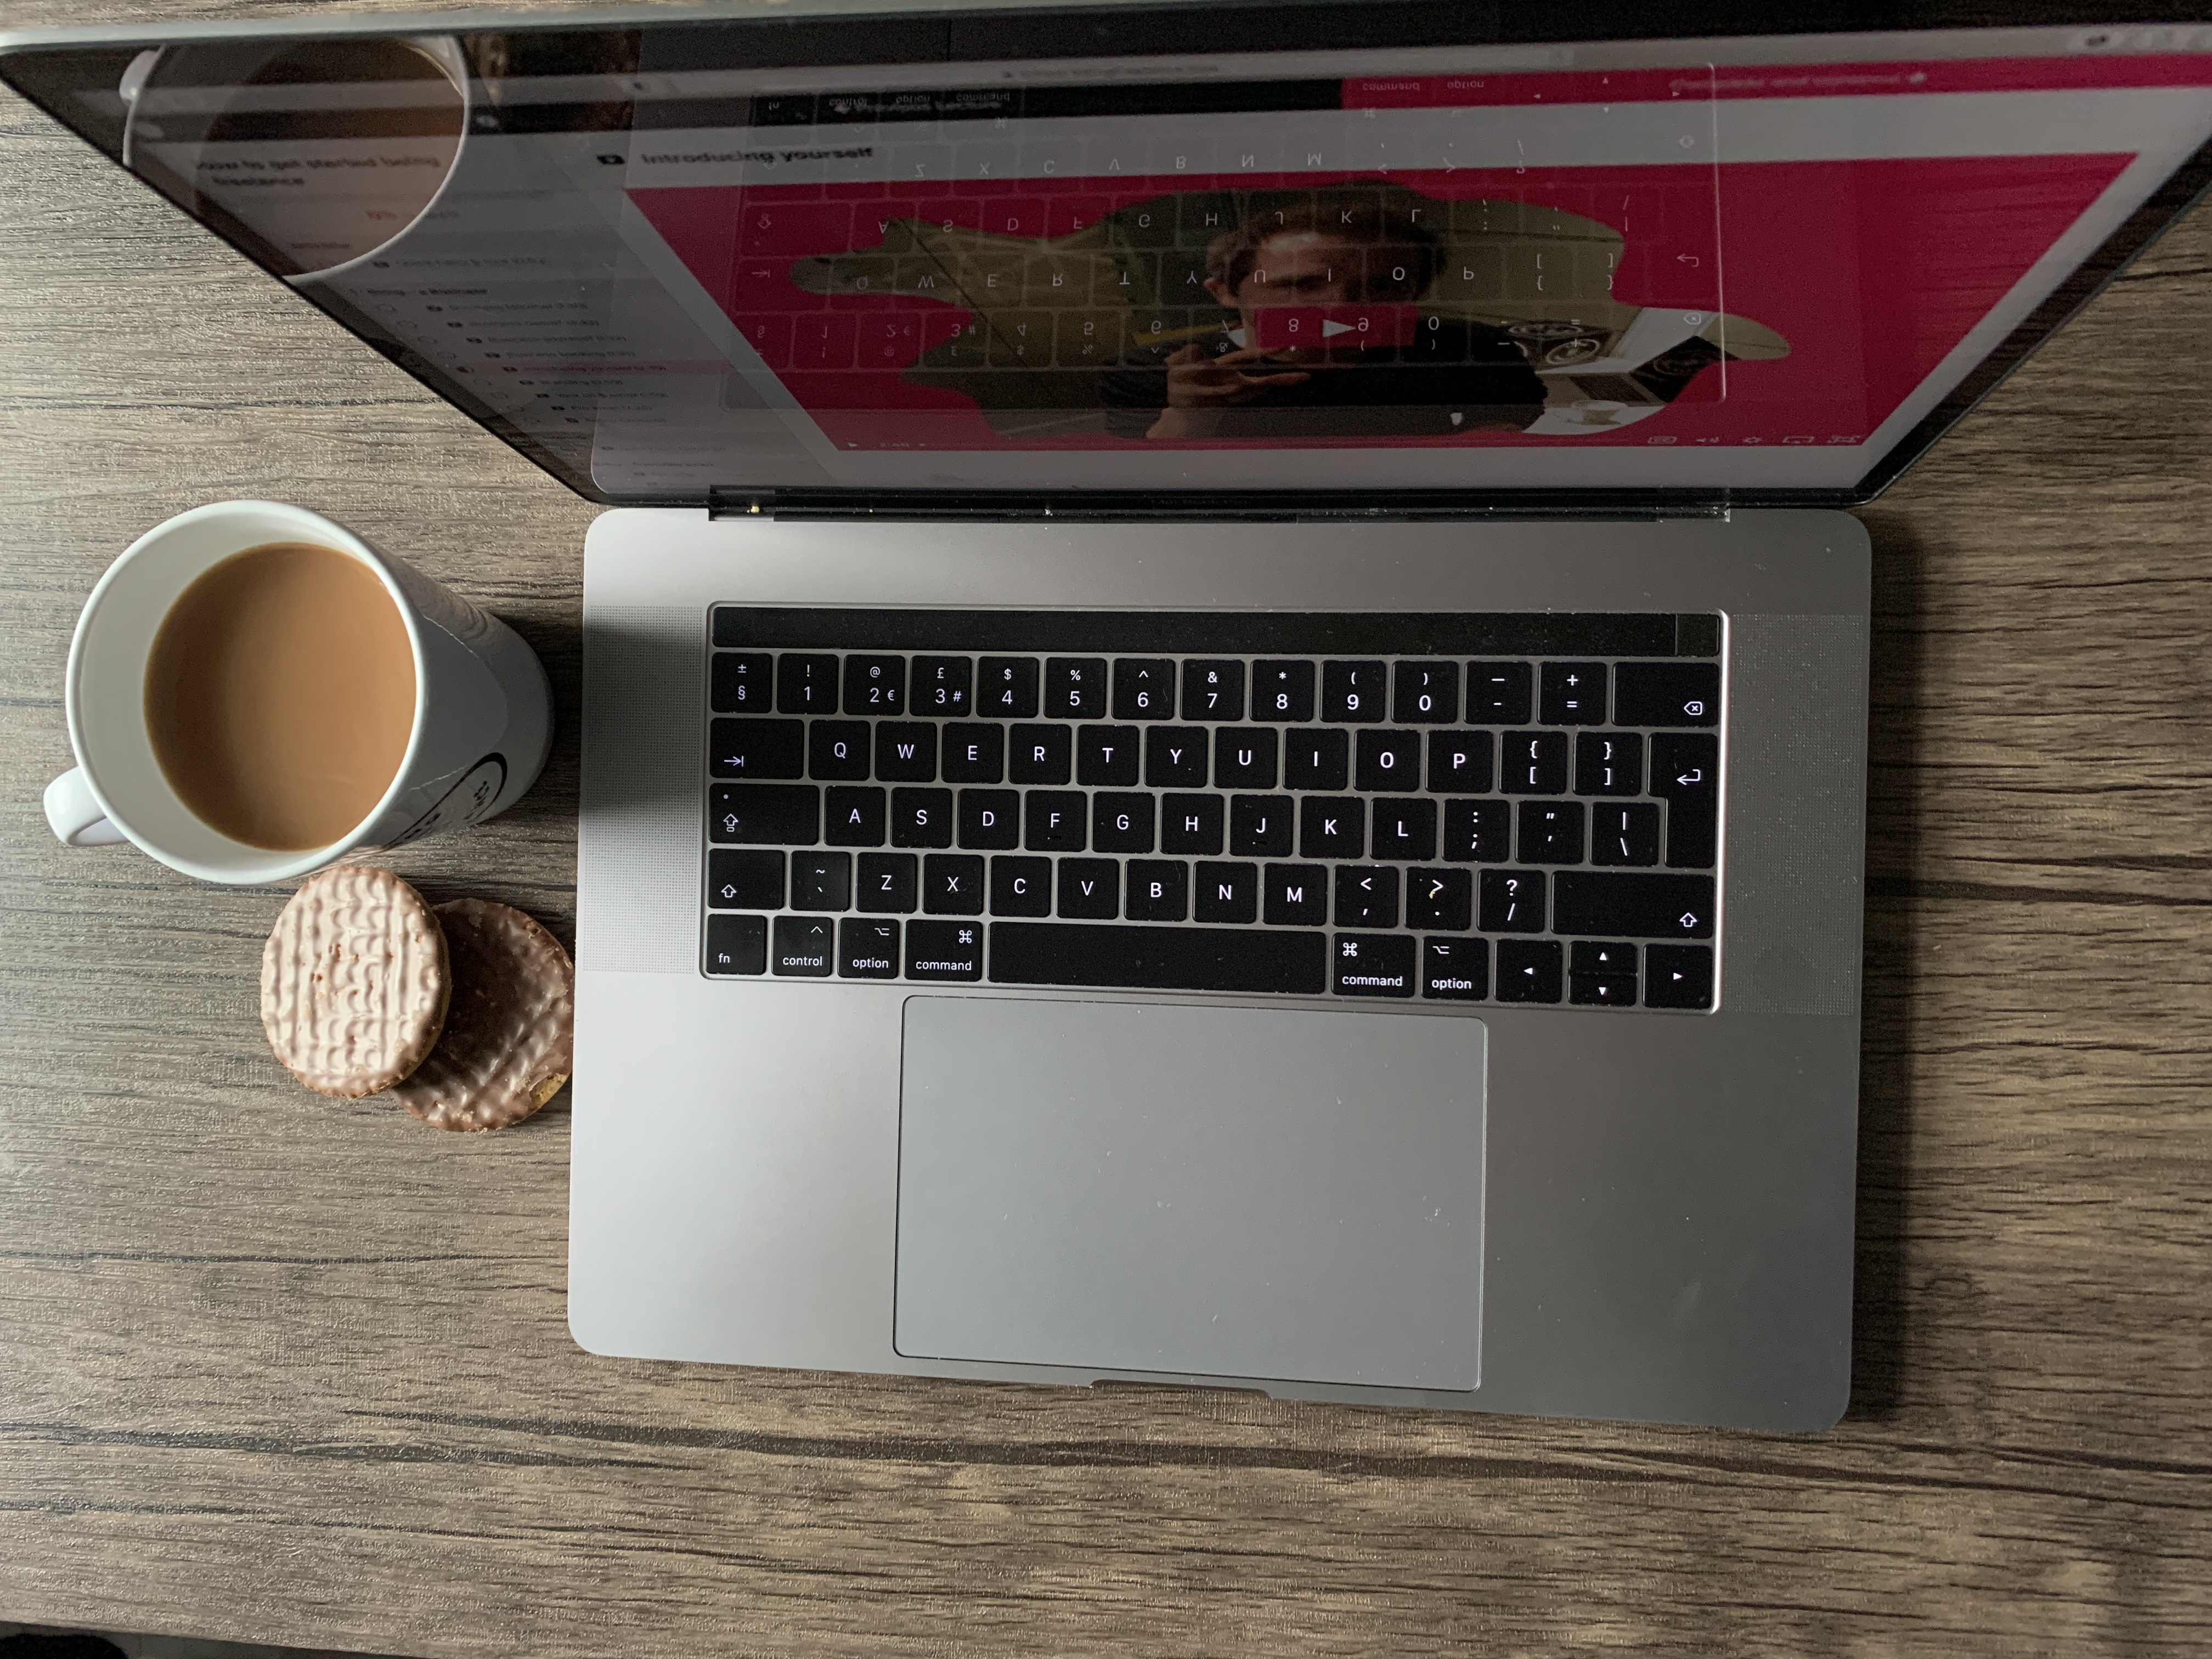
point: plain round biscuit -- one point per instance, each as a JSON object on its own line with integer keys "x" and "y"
{"x": 353, "y": 981}
{"x": 507, "y": 1045}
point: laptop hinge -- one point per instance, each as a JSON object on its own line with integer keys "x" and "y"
{"x": 1243, "y": 506}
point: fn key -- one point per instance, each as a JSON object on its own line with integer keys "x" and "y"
{"x": 737, "y": 944}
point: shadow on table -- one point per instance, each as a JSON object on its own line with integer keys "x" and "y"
{"x": 1881, "y": 1315}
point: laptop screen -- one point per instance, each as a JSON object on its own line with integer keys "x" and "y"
{"x": 672, "y": 260}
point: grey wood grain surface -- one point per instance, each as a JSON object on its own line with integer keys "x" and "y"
{"x": 287, "y": 1370}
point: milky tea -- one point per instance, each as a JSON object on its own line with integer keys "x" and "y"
{"x": 280, "y": 695}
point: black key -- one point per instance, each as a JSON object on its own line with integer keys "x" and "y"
{"x": 1608, "y": 764}
{"x": 1459, "y": 762}
{"x": 1366, "y": 896}
{"x": 1144, "y": 688}
{"x": 1601, "y": 990}
{"x": 1665, "y": 694}
{"x": 1191, "y": 825}
{"x": 1388, "y": 760}
{"x": 1574, "y": 694}
{"x": 1260, "y": 826}
{"x": 1455, "y": 969}
{"x": 1007, "y": 687}
{"x": 921, "y": 817}
{"x": 868, "y": 950}
{"x": 1226, "y": 892}
{"x": 1244, "y": 758}
{"x": 1106, "y": 756}
{"x": 1498, "y": 693}
{"x": 905, "y": 752}
{"x": 1214, "y": 691}
{"x": 1332, "y": 827}
{"x": 1174, "y": 758}
{"x": 854, "y": 817}
{"x": 1354, "y": 690}
{"x": 805, "y": 947}
{"x": 1159, "y": 959}
{"x": 1478, "y": 831}
{"x": 1075, "y": 688}
{"x": 1633, "y": 906}
{"x": 744, "y": 881}
{"x": 737, "y": 944}
{"x": 875, "y": 685}
{"x": 805, "y": 684}
{"x": 1527, "y": 970}
{"x": 1283, "y": 691}
{"x": 1159, "y": 890}
{"x": 1425, "y": 694}
{"x": 1512, "y": 902}
{"x": 952, "y": 884}
{"x": 1611, "y": 957}
{"x": 743, "y": 683}
{"x": 1551, "y": 832}
{"x": 886, "y": 883}
{"x": 974, "y": 754}
{"x": 773, "y": 814}
{"x": 948, "y": 951}
{"x": 1315, "y": 757}
{"x": 1021, "y": 887}
{"x": 1441, "y": 899}
{"x": 1533, "y": 764}
{"x": 1373, "y": 965}
{"x": 1625, "y": 835}
{"x": 1090, "y": 888}
{"x": 836, "y": 749}
{"x": 1120, "y": 822}
{"x": 1298, "y": 895}
{"x": 942, "y": 686}
{"x": 757, "y": 748}
{"x": 1054, "y": 822}
{"x": 1405, "y": 830}
{"x": 1674, "y": 975}
{"x": 1685, "y": 774}
{"x": 821, "y": 881}
{"x": 1040, "y": 754}
{"x": 990, "y": 818}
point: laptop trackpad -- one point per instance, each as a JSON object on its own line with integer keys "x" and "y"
{"x": 1230, "y": 1192}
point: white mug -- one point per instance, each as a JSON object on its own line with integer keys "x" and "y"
{"x": 483, "y": 712}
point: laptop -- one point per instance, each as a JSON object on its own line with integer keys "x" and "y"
{"x": 1224, "y": 715}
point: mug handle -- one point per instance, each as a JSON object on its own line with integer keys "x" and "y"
{"x": 74, "y": 815}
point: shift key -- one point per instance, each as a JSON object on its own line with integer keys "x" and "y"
{"x": 1686, "y": 769}
{"x": 1594, "y": 904}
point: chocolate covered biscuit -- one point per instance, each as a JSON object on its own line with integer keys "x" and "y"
{"x": 506, "y": 1049}
{"x": 353, "y": 981}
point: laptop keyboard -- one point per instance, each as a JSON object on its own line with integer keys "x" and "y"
{"x": 1448, "y": 809}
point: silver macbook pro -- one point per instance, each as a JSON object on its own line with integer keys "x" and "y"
{"x": 1225, "y": 708}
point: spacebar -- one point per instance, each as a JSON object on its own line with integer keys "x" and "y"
{"x": 1159, "y": 959}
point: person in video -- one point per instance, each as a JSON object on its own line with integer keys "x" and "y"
{"x": 1434, "y": 377}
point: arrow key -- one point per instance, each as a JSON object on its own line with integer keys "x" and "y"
{"x": 1678, "y": 977}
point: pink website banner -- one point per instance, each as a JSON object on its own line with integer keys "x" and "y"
{"x": 2085, "y": 72}
{"x": 1745, "y": 303}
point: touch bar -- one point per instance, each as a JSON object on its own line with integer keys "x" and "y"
{"x": 1224, "y": 633}
{"x": 1160, "y": 959}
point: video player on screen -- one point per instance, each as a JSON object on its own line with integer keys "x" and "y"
{"x": 1346, "y": 274}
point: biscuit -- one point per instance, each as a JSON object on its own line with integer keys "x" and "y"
{"x": 353, "y": 981}
{"x": 506, "y": 1049}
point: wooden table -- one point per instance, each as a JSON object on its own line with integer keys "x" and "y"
{"x": 287, "y": 1370}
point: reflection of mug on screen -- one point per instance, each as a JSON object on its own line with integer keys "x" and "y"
{"x": 1280, "y": 328}
{"x": 317, "y": 153}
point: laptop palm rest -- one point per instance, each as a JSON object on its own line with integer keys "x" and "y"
{"x": 1223, "y": 1192}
